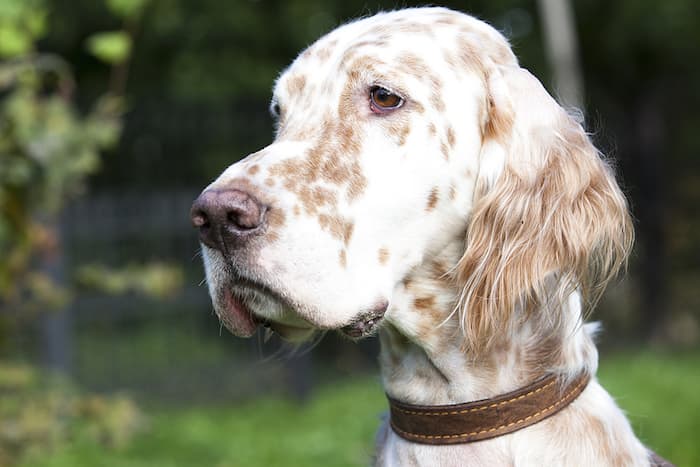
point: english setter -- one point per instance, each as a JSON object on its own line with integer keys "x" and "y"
{"x": 424, "y": 187}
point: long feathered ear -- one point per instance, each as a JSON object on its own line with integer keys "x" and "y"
{"x": 548, "y": 216}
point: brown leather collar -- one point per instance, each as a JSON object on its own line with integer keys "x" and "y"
{"x": 487, "y": 418}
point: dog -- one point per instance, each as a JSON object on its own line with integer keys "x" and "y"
{"x": 424, "y": 187}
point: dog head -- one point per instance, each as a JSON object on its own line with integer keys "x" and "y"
{"x": 398, "y": 135}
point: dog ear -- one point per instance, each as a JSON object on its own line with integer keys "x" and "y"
{"x": 548, "y": 217}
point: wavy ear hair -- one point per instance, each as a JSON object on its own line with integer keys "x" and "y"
{"x": 548, "y": 217}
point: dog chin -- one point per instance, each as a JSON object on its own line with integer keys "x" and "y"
{"x": 245, "y": 305}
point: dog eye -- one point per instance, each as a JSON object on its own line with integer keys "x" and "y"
{"x": 275, "y": 109}
{"x": 383, "y": 100}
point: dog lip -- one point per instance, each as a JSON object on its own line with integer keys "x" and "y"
{"x": 236, "y": 316}
{"x": 234, "y": 310}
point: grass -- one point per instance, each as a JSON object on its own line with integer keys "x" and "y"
{"x": 336, "y": 428}
{"x": 661, "y": 396}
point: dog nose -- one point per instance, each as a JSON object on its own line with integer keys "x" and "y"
{"x": 226, "y": 218}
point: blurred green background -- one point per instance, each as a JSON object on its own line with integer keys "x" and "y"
{"x": 114, "y": 114}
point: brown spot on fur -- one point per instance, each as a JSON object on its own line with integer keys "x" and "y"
{"x": 439, "y": 270}
{"x": 596, "y": 430}
{"x": 451, "y": 137}
{"x": 348, "y": 229}
{"x": 332, "y": 160}
{"x": 297, "y": 210}
{"x": 323, "y": 52}
{"x": 399, "y": 27}
{"x": 356, "y": 188}
{"x": 498, "y": 124}
{"x": 416, "y": 28}
{"x": 471, "y": 54}
{"x": 315, "y": 197}
{"x": 445, "y": 150}
{"x": 433, "y": 199}
{"x": 275, "y": 218}
{"x": 453, "y": 192}
{"x": 296, "y": 84}
{"x": 403, "y": 135}
{"x": 414, "y": 65}
{"x": 446, "y": 20}
{"x": 424, "y": 303}
{"x": 432, "y": 131}
{"x": 431, "y": 317}
{"x": 449, "y": 59}
{"x": 343, "y": 258}
{"x": 253, "y": 169}
{"x": 287, "y": 169}
{"x": 306, "y": 53}
{"x": 438, "y": 103}
{"x": 270, "y": 181}
{"x": 399, "y": 130}
{"x": 338, "y": 227}
{"x": 383, "y": 255}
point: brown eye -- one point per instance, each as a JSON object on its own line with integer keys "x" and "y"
{"x": 383, "y": 100}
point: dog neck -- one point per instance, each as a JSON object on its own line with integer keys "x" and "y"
{"x": 423, "y": 358}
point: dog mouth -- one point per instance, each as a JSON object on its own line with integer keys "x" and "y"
{"x": 245, "y": 305}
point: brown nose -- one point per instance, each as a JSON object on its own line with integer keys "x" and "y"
{"x": 227, "y": 218}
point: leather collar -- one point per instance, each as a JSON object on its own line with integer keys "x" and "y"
{"x": 487, "y": 418}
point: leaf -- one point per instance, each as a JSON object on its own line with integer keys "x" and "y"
{"x": 13, "y": 41}
{"x": 112, "y": 47}
{"x": 35, "y": 23}
{"x": 126, "y": 8}
{"x": 21, "y": 23}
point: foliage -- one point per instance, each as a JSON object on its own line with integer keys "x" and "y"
{"x": 20, "y": 24}
{"x": 47, "y": 149}
{"x": 337, "y": 427}
{"x": 153, "y": 279}
{"x": 38, "y": 414}
{"x": 111, "y": 46}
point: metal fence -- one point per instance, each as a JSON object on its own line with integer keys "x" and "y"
{"x": 167, "y": 347}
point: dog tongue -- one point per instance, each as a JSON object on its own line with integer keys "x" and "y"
{"x": 237, "y": 317}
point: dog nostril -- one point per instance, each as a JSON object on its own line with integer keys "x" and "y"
{"x": 200, "y": 219}
{"x": 246, "y": 217}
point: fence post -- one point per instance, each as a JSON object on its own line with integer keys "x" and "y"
{"x": 57, "y": 326}
{"x": 561, "y": 46}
